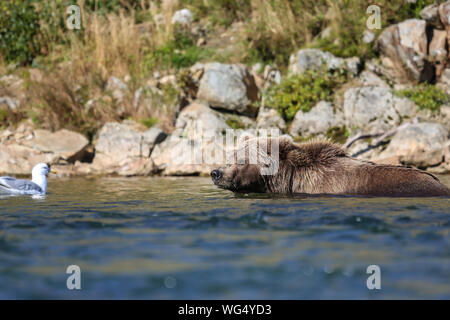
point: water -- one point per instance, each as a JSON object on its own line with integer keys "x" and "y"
{"x": 165, "y": 238}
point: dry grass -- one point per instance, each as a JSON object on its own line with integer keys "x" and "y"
{"x": 111, "y": 45}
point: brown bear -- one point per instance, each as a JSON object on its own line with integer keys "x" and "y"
{"x": 318, "y": 167}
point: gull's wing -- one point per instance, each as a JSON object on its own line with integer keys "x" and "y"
{"x": 12, "y": 184}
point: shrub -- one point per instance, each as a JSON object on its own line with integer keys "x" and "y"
{"x": 29, "y": 28}
{"x": 426, "y": 96}
{"x": 302, "y": 92}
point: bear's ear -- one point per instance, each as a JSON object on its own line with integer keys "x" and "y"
{"x": 285, "y": 145}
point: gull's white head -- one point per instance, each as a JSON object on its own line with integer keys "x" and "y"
{"x": 39, "y": 175}
{"x": 41, "y": 169}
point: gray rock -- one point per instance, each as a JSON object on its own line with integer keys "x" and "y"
{"x": 431, "y": 15}
{"x": 183, "y": 17}
{"x": 9, "y": 102}
{"x": 123, "y": 145}
{"x": 257, "y": 68}
{"x": 198, "y": 116}
{"x": 353, "y": 65}
{"x": 229, "y": 87}
{"x": 447, "y": 152}
{"x": 369, "y": 78}
{"x": 22, "y": 149}
{"x": 375, "y": 109}
{"x": 117, "y": 87}
{"x": 444, "y": 14}
{"x": 445, "y": 112}
{"x": 403, "y": 50}
{"x": 270, "y": 118}
{"x": 368, "y": 36}
{"x": 272, "y": 75}
{"x": 317, "y": 121}
{"x": 420, "y": 144}
{"x": 64, "y": 144}
{"x": 444, "y": 81}
{"x": 313, "y": 59}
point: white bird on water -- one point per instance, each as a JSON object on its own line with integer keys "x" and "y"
{"x": 37, "y": 185}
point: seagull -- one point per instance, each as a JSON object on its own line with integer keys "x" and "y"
{"x": 37, "y": 185}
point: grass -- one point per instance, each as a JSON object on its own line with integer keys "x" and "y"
{"x": 426, "y": 96}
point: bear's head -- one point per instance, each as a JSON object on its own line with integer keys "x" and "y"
{"x": 252, "y": 165}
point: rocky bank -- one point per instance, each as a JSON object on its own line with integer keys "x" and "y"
{"x": 383, "y": 126}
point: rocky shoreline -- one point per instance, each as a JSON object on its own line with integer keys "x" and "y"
{"x": 381, "y": 125}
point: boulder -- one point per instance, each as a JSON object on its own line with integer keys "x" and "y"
{"x": 420, "y": 145}
{"x": 317, "y": 121}
{"x": 197, "y": 116}
{"x": 228, "y": 86}
{"x": 375, "y": 109}
{"x": 403, "y": 49}
{"x": 270, "y": 118}
{"x": 313, "y": 59}
{"x": 25, "y": 147}
{"x": 121, "y": 146}
{"x": 64, "y": 144}
{"x": 431, "y": 15}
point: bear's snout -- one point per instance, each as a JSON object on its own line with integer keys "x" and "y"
{"x": 216, "y": 174}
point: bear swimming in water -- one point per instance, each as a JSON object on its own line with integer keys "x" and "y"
{"x": 318, "y": 167}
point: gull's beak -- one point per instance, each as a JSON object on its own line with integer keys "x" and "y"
{"x": 50, "y": 170}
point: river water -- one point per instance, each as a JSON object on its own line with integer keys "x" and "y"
{"x": 182, "y": 238}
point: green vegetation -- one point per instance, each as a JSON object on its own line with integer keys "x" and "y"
{"x": 426, "y": 96}
{"x": 220, "y": 12}
{"x": 338, "y": 134}
{"x": 235, "y": 123}
{"x": 181, "y": 52}
{"x": 149, "y": 122}
{"x": 302, "y": 92}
